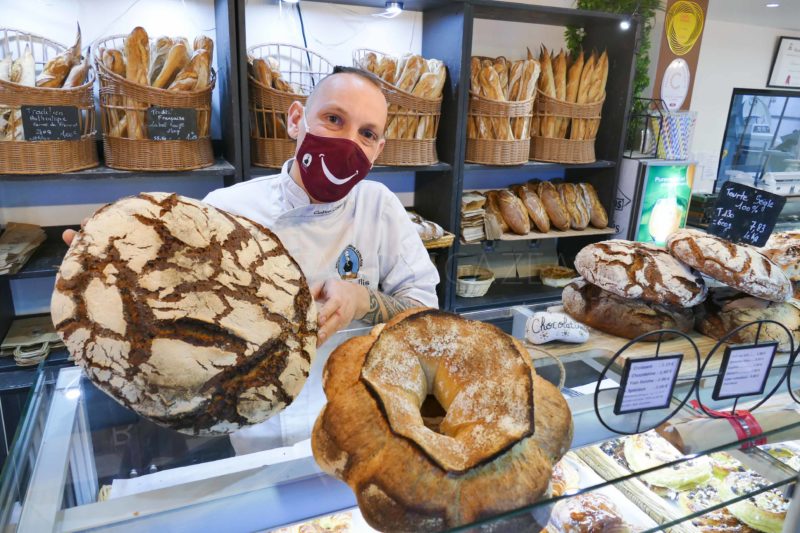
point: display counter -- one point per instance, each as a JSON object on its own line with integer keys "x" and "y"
{"x": 82, "y": 462}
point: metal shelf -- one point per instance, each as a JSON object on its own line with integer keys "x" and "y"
{"x": 220, "y": 168}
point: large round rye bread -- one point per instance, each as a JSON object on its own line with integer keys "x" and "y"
{"x": 193, "y": 317}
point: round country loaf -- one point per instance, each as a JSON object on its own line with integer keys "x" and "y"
{"x": 637, "y": 270}
{"x": 735, "y": 265}
{"x": 503, "y": 426}
{"x": 783, "y": 249}
{"x": 192, "y": 317}
{"x": 622, "y": 317}
{"x": 727, "y": 309}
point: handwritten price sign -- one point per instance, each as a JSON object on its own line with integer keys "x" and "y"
{"x": 745, "y": 214}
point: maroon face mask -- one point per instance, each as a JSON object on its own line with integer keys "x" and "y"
{"x": 329, "y": 166}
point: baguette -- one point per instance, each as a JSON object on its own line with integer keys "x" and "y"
{"x": 530, "y": 75}
{"x": 554, "y": 205}
{"x": 415, "y": 67}
{"x": 599, "y": 217}
{"x": 22, "y": 72}
{"x": 114, "y": 61}
{"x": 387, "y": 69}
{"x": 514, "y": 212}
{"x": 137, "y": 59}
{"x": 201, "y": 42}
{"x": 490, "y": 87}
{"x": 548, "y": 87}
{"x": 600, "y": 94}
{"x": 534, "y": 206}
{"x": 77, "y": 76}
{"x": 5, "y": 68}
{"x": 195, "y": 75}
{"x": 369, "y": 62}
{"x": 515, "y": 80}
{"x": 158, "y": 55}
{"x": 401, "y": 65}
{"x": 430, "y": 86}
{"x": 573, "y": 82}
{"x": 560, "y": 79}
{"x": 176, "y": 60}
{"x": 57, "y": 69}
{"x": 578, "y": 130}
{"x": 261, "y": 72}
{"x": 501, "y": 67}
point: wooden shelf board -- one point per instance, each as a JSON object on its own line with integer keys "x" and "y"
{"x": 538, "y": 165}
{"x": 535, "y": 235}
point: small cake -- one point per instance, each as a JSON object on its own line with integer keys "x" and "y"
{"x": 765, "y": 511}
{"x": 647, "y": 450}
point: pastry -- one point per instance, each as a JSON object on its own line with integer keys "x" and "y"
{"x": 407, "y": 477}
{"x": 622, "y": 317}
{"x": 137, "y": 61}
{"x": 783, "y": 249}
{"x": 765, "y": 511}
{"x": 579, "y": 215}
{"x": 720, "y": 521}
{"x": 554, "y": 205}
{"x": 556, "y": 276}
{"x": 176, "y": 59}
{"x": 723, "y": 464}
{"x": 788, "y": 456}
{"x": 726, "y": 309}
{"x": 640, "y": 271}
{"x": 565, "y": 478}
{"x": 534, "y": 205}
{"x": 648, "y": 450}
{"x": 513, "y": 212}
{"x": 194, "y": 318}
{"x": 737, "y": 266}
{"x": 599, "y": 216}
{"x": 587, "y": 513}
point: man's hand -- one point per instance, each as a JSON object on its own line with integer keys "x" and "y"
{"x": 69, "y": 234}
{"x": 340, "y": 302}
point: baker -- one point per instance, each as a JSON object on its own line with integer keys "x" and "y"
{"x": 352, "y": 238}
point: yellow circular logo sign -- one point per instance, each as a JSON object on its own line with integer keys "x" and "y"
{"x": 684, "y": 25}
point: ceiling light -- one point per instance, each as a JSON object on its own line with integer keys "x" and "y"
{"x": 394, "y": 8}
{"x": 292, "y": 1}
{"x": 773, "y": 4}
{"x": 625, "y": 24}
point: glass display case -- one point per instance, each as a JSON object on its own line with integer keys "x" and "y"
{"x": 82, "y": 462}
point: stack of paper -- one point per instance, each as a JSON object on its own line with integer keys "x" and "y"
{"x": 472, "y": 215}
{"x": 17, "y": 245}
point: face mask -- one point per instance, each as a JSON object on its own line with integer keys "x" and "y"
{"x": 329, "y": 166}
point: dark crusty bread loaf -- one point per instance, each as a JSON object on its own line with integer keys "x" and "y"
{"x": 195, "y": 318}
{"x": 739, "y": 266}
{"x": 783, "y": 249}
{"x": 622, "y": 317}
{"x": 638, "y": 270}
{"x": 726, "y": 309}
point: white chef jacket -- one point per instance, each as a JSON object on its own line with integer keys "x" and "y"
{"x": 366, "y": 238}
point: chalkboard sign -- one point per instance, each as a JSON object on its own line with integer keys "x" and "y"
{"x": 647, "y": 383}
{"x": 744, "y": 370}
{"x": 51, "y": 123}
{"x": 172, "y": 123}
{"x": 745, "y": 214}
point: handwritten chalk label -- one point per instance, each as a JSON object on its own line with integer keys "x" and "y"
{"x": 744, "y": 370}
{"x": 745, "y": 214}
{"x": 51, "y": 123}
{"x": 647, "y": 383}
{"x": 172, "y": 123}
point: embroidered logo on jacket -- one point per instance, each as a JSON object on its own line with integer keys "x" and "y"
{"x": 349, "y": 263}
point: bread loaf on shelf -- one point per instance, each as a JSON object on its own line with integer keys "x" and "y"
{"x": 534, "y": 206}
{"x": 176, "y": 60}
{"x": 514, "y": 212}
{"x": 579, "y": 215}
{"x": 57, "y": 69}
{"x": 159, "y": 49}
{"x": 554, "y": 205}
{"x": 599, "y": 216}
{"x": 137, "y": 61}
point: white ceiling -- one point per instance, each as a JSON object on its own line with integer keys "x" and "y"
{"x": 787, "y": 16}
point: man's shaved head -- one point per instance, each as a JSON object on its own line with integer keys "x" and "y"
{"x": 339, "y": 71}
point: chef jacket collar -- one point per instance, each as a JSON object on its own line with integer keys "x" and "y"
{"x": 298, "y": 202}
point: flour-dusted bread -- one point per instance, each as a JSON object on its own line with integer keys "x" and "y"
{"x": 619, "y": 316}
{"x": 640, "y": 271}
{"x": 190, "y": 316}
{"x": 726, "y": 309}
{"x": 504, "y": 427}
{"x": 738, "y": 266}
{"x": 783, "y": 249}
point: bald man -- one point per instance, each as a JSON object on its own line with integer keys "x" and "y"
{"x": 352, "y": 238}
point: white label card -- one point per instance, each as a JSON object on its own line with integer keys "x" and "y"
{"x": 647, "y": 384}
{"x": 744, "y": 370}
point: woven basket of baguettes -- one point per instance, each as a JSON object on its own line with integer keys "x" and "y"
{"x": 136, "y": 74}
{"x": 278, "y": 74}
{"x": 35, "y": 71}
{"x": 568, "y": 108}
{"x": 413, "y": 87}
{"x": 501, "y": 97}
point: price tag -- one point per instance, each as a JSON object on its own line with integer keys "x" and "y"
{"x": 50, "y": 123}
{"x": 172, "y": 123}
{"x": 744, "y": 370}
{"x": 647, "y": 383}
{"x": 745, "y": 214}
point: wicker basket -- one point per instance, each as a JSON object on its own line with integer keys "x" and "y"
{"x": 553, "y": 150}
{"x": 445, "y": 241}
{"x": 496, "y": 151}
{"x": 270, "y": 145}
{"x": 473, "y": 288}
{"x": 409, "y": 110}
{"x": 119, "y": 97}
{"x": 45, "y": 157}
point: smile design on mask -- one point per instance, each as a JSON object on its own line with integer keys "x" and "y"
{"x": 323, "y": 159}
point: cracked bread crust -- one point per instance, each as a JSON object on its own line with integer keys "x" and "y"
{"x": 737, "y": 266}
{"x": 398, "y": 484}
{"x": 622, "y": 317}
{"x": 192, "y": 317}
{"x": 783, "y": 249}
{"x": 636, "y": 270}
